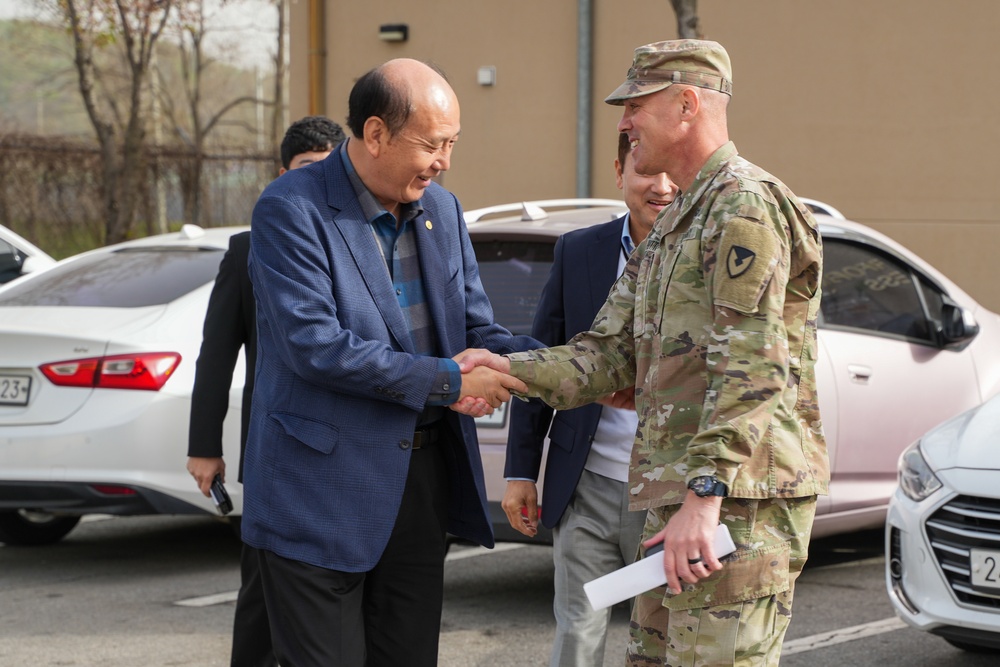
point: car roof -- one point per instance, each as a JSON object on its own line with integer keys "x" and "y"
{"x": 188, "y": 236}
{"x": 550, "y": 218}
{"x": 545, "y": 218}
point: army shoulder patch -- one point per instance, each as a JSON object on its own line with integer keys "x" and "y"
{"x": 747, "y": 255}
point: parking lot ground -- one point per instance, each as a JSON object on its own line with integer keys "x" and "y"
{"x": 159, "y": 591}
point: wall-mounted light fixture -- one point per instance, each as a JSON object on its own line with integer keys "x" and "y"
{"x": 487, "y": 75}
{"x": 394, "y": 32}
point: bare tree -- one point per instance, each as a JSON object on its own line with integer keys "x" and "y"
{"x": 278, "y": 117}
{"x": 687, "y": 19}
{"x": 195, "y": 117}
{"x": 116, "y": 109}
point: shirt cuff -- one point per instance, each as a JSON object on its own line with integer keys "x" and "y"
{"x": 447, "y": 385}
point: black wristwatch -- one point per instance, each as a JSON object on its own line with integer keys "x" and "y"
{"x": 708, "y": 485}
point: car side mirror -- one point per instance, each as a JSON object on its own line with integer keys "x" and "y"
{"x": 958, "y": 326}
{"x": 31, "y": 264}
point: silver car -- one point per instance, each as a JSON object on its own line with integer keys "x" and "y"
{"x": 902, "y": 348}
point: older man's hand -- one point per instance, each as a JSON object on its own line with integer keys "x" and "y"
{"x": 622, "y": 399}
{"x": 486, "y": 372}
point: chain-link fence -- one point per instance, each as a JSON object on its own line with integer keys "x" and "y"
{"x": 50, "y": 190}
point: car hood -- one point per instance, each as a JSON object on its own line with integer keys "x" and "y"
{"x": 970, "y": 440}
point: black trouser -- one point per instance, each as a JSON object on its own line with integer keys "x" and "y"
{"x": 386, "y": 617}
{"x": 251, "y": 633}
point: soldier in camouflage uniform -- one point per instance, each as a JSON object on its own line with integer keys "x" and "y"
{"x": 714, "y": 325}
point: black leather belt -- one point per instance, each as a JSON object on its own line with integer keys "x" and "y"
{"x": 427, "y": 436}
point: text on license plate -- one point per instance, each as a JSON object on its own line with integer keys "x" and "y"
{"x": 14, "y": 389}
{"x": 985, "y": 565}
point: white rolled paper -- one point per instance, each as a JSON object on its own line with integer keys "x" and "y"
{"x": 642, "y": 575}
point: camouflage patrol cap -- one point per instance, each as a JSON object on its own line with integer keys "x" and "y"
{"x": 656, "y": 66}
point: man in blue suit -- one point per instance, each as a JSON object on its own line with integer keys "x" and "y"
{"x": 367, "y": 290}
{"x": 231, "y": 324}
{"x": 586, "y": 472}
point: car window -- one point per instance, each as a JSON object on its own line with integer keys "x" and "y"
{"x": 10, "y": 262}
{"x": 125, "y": 278}
{"x": 864, "y": 288}
{"x": 513, "y": 274}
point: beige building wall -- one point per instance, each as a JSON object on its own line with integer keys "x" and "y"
{"x": 883, "y": 109}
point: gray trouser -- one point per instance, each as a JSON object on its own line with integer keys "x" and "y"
{"x": 596, "y": 535}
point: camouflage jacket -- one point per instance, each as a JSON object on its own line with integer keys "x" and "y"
{"x": 714, "y": 323}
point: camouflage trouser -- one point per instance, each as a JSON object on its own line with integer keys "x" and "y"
{"x": 737, "y": 616}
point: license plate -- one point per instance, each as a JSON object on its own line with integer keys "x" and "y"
{"x": 14, "y": 389}
{"x": 985, "y": 565}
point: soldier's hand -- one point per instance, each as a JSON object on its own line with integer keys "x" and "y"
{"x": 473, "y": 357}
{"x": 520, "y": 504}
{"x": 492, "y": 386}
{"x": 689, "y": 541}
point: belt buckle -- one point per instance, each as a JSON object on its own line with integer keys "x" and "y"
{"x": 424, "y": 437}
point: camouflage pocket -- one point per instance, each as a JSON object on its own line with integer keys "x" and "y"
{"x": 747, "y": 574}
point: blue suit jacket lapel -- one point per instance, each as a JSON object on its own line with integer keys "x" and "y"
{"x": 360, "y": 242}
{"x": 434, "y": 274}
{"x": 602, "y": 258}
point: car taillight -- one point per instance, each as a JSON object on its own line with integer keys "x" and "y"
{"x": 146, "y": 370}
{"x": 113, "y": 490}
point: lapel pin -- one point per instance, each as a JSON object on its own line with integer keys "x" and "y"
{"x": 428, "y": 224}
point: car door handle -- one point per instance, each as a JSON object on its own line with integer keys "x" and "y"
{"x": 859, "y": 374}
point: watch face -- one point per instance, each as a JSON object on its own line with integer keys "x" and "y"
{"x": 703, "y": 486}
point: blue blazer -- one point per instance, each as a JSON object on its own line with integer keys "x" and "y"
{"x": 338, "y": 388}
{"x": 584, "y": 268}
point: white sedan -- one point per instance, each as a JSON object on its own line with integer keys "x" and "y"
{"x": 96, "y": 368}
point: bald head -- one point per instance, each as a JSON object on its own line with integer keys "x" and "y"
{"x": 405, "y": 119}
{"x": 394, "y": 90}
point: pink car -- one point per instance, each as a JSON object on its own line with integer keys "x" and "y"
{"x": 902, "y": 347}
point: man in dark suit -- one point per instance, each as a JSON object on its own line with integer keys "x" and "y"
{"x": 586, "y": 472}
{"x": 230, "y": 324}
{"x": 367, "y": 291}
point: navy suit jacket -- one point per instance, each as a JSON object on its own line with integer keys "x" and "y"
{"x": 338, "y": 388}
{"x": 584, "y": 268}
{"x": 230, "y": 324}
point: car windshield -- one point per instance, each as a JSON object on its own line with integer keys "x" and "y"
{"x": 124, "y": 278}
{"x": 513, "y": 274}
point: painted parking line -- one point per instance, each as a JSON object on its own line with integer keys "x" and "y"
{"x": 472, "y": 552}
{"x": 455, "y": 554}
{"x": 208, "y": 600}
{"x": 824, "y": 639}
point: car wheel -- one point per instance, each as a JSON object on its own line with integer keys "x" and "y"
{"x": 27, "y": 528}
{"x": 971, "y": 648}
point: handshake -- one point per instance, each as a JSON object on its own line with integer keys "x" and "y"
{"x": 486, "y": 382}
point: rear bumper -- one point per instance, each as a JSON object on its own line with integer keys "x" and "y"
{"x": 79, "y": 498}
{"x": 136, "y": 440}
